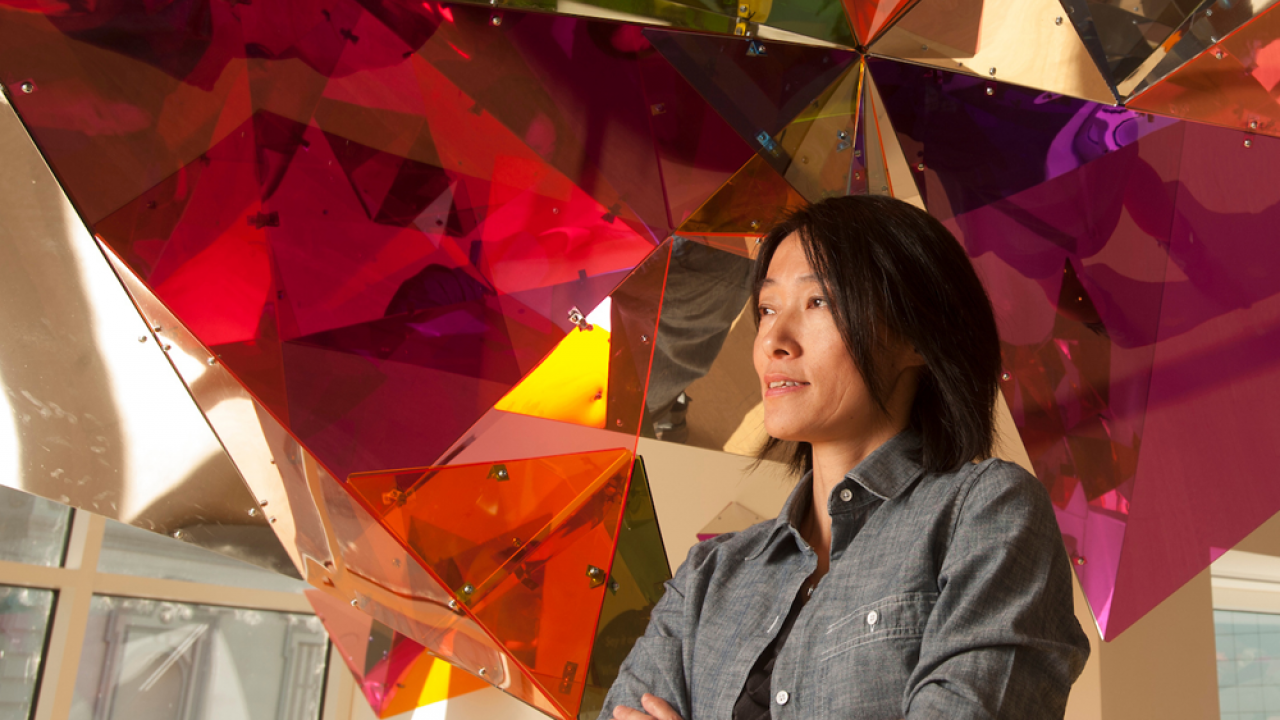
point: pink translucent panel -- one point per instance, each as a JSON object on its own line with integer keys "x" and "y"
{"x": 1071, "y": 239}
{"x": 1207, "y": 465}
{"x": 384, "y": 210}
{"x": 697, "y": 148}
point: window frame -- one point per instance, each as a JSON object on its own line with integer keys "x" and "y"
{"x": 78, "y": 580}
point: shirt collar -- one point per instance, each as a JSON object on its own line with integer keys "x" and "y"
{"x": 886, "y": 473}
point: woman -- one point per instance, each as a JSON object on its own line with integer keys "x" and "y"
{"x": 907, "y": 574}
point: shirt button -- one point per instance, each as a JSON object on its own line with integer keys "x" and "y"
{"x": 872, "y": 617}
{"x": 846, "y": 494}
{"x": 782, "y": 697}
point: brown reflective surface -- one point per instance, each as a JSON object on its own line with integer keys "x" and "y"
{"x": 1017, "y": 41}
{"x": 95, "y": 416}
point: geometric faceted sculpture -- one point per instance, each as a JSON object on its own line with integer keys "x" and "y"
{"x": 394, "y": 673}
{"x": 524, "y": 545}
{"x": 409, "y": 260}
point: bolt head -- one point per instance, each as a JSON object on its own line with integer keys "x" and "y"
{"x": 992, "y": 72}
{"x": 991, "y": 91}
{"x": 1057, "y": 21}
{"x": 177, "y": 534}
{"x": 920, "y": 167}
{"x": 142, "y": 338}
{"x": 453, "y": 604}
{"x": 211, "y": 361}
{"x": 28, "y": 87}
{"x": 1253, "y": 124}
{"x": 253, "y": 512}
{"x": 355, "y": 602}
{"x": 1248, "y": 143}
{"x": 496, "y": 20}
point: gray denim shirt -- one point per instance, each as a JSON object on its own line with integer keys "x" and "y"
{"x": 948, "y": 596}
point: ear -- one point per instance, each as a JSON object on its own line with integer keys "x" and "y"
{"x": 911, "y": 357}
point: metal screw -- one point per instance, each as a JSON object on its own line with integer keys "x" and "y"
{"x": 992, "y": 72}
{"x": 1248, "y": 143}
{"x": 142, "y": 338}
{"x": 644, "y": 338}
{"x": 355, "y": 602}
{"x": 619, "y": 422}
{"x": 157, "y": 328}
{"x": 1253, "y": 124}
{"x": 271, "y": 520}
{"x": 1208, "y": 13}
{"x": 991, "y": 91}
{"x": 167, "y": 347}
{"x": 743, "y": 8}
{"x": 483, "y": 672}
{"x": 920, "y": 167}
{"x": 1080, "y": 560}
{"x": 1057, "y": 20}
{"x": 1219, "y": 54}
{"x": 212, "y": 361}
{"x": 453, "y": 605}
{"x": 468, "y": 589}
{"x": 1005, "y": 376}
{"x": 496, "y": 20}
{"x": 28, "y": 87}
{"x": 177, "y": 534}
{"x": 755, "y": 224}
{"x": 843, "y": 135}
{"x": 253, "y": 512}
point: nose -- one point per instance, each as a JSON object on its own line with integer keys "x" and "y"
{"x": 779, "y": 337}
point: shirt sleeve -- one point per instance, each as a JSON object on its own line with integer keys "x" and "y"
{"x": 656, "y": 663}
{"x": 1003, "y": 640}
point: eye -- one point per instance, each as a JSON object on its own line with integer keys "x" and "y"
{"x": 761, "y": 311}
{"x": 820, "y": 302}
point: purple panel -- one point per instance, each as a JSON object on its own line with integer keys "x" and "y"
{"x": 1066, "y": 208}
{"x": 1207, "y": 470}
{"x": 982, "y": 141}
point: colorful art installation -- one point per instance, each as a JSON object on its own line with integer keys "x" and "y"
{"x": 430, "y": 269}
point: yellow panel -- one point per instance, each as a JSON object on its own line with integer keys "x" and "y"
{"x": 570, "y": 385}
{"x": 1026, "y": 42}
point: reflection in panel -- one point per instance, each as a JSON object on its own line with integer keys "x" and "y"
{"x": 130, "y": 551}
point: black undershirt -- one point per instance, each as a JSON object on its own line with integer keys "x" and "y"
{"x": 757, "y": 697}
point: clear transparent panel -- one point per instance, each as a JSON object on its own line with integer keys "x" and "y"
{"x": 162, "y": 660}
{"x": 32, "y": 530}
{"x": 128, "y": 550}
{"x": 24, "y": 622}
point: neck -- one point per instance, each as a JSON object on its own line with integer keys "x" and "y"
{"x": 832, "y": 459}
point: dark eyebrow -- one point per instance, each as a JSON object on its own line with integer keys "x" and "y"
{"x": 802, "y": 278}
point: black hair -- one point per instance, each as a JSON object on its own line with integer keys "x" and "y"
{"x": 890, "y": 269}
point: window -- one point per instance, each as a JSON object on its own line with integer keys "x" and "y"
{"x": 102, "y": 621}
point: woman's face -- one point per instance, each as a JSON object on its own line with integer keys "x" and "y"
{"x": 813, "y": 391}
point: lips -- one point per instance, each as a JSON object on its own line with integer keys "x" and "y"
{"x": 779, "y": 384}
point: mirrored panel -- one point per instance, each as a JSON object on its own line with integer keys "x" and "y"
{"x": 24, "y": 623}
{"x": 152, "y": 659}
{"x": 32, "y": 530}
{"x": 130, "y": 551}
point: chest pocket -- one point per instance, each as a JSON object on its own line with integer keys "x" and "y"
{"x": 894, "y": 617}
